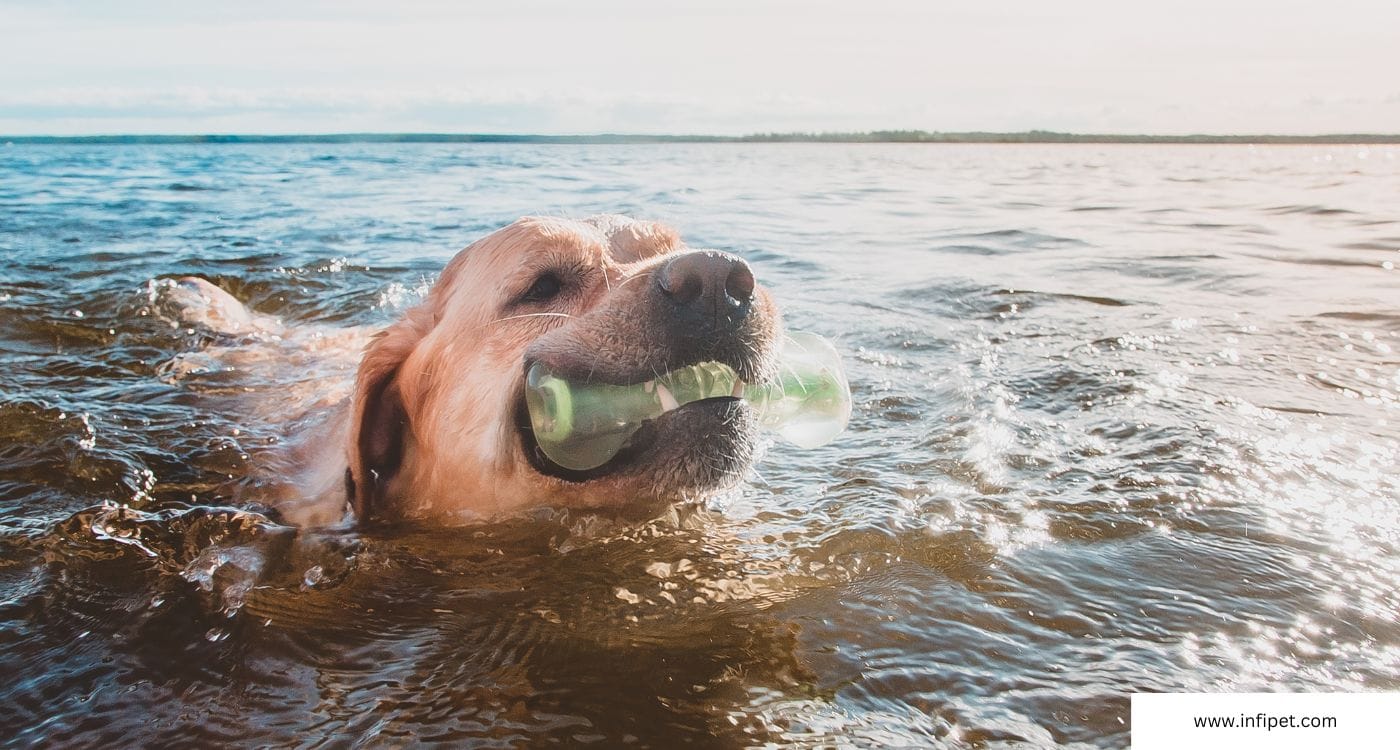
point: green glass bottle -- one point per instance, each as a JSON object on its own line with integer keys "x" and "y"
{"x": 583, "y": 425}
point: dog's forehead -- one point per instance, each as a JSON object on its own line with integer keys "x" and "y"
{"x": 597, "y": 239}
{"x": 630, "y": 240}
{"x": 531, "y": 237}
{"x": 524, "y": 245}
{"x": 606, "y": 236}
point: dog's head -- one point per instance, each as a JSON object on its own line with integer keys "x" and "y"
{"x": 439, "y": 423}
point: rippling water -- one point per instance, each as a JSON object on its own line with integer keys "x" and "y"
{"x": 1125, "y": 420}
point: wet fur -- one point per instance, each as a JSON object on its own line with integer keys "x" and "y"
{"x": 431, "y": 429}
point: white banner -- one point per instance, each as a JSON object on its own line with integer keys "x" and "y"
{"x": 1239, "y": 721}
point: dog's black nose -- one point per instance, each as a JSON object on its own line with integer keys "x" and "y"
{"x": 708, "y": 288}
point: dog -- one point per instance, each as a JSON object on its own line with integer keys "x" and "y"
{"x": 436, "y": 425}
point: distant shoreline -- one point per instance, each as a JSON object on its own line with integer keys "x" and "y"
{"x": 879, "y": 136}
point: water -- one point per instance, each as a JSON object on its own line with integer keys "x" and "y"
{"x": 1125, "y": 419}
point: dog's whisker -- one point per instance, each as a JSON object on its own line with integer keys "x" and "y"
{"x": 759, "y": 476}
{"x": 530, "y": 315}
{"x": 631, "y": 279}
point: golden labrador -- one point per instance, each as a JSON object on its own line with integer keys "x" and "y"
{"x": 437, "y": 427}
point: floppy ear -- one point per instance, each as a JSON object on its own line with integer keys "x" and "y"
{"x": 379, "y": 421}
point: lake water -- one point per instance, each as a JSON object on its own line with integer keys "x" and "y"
{"x": 1125, "y": 420}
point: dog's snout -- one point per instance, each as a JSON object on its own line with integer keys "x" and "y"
{"x": 708, "y": 287}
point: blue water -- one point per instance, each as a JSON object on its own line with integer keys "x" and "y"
{"x": 1125, "y": 419}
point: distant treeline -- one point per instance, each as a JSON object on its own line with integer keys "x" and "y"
{"x": 1047, "y": 136}
{"x": 876, "y": 136}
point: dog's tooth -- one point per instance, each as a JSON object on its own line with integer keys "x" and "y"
{"x": 649, "y": 386}
{"x": 738, "y": 391}
{"x": 668, "y": 401}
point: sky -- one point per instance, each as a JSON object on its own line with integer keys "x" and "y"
{"x": 724, "y": 67}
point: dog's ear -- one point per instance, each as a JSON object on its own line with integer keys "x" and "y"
{"x": 379, "y": 420}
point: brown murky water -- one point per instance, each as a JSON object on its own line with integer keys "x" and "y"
{"x": 1125, "y": 420}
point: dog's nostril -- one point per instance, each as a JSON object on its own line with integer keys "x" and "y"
{"x": 739, "y": 283}
{"x": 681, "y": 284}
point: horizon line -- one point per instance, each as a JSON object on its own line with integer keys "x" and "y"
{"x": 872, "y": 136}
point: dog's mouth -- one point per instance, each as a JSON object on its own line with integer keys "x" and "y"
{"x": 596, "y": 430}
{"x": 634, "y": 449}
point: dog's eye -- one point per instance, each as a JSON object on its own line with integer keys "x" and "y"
{"x": 545, "y": 288}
